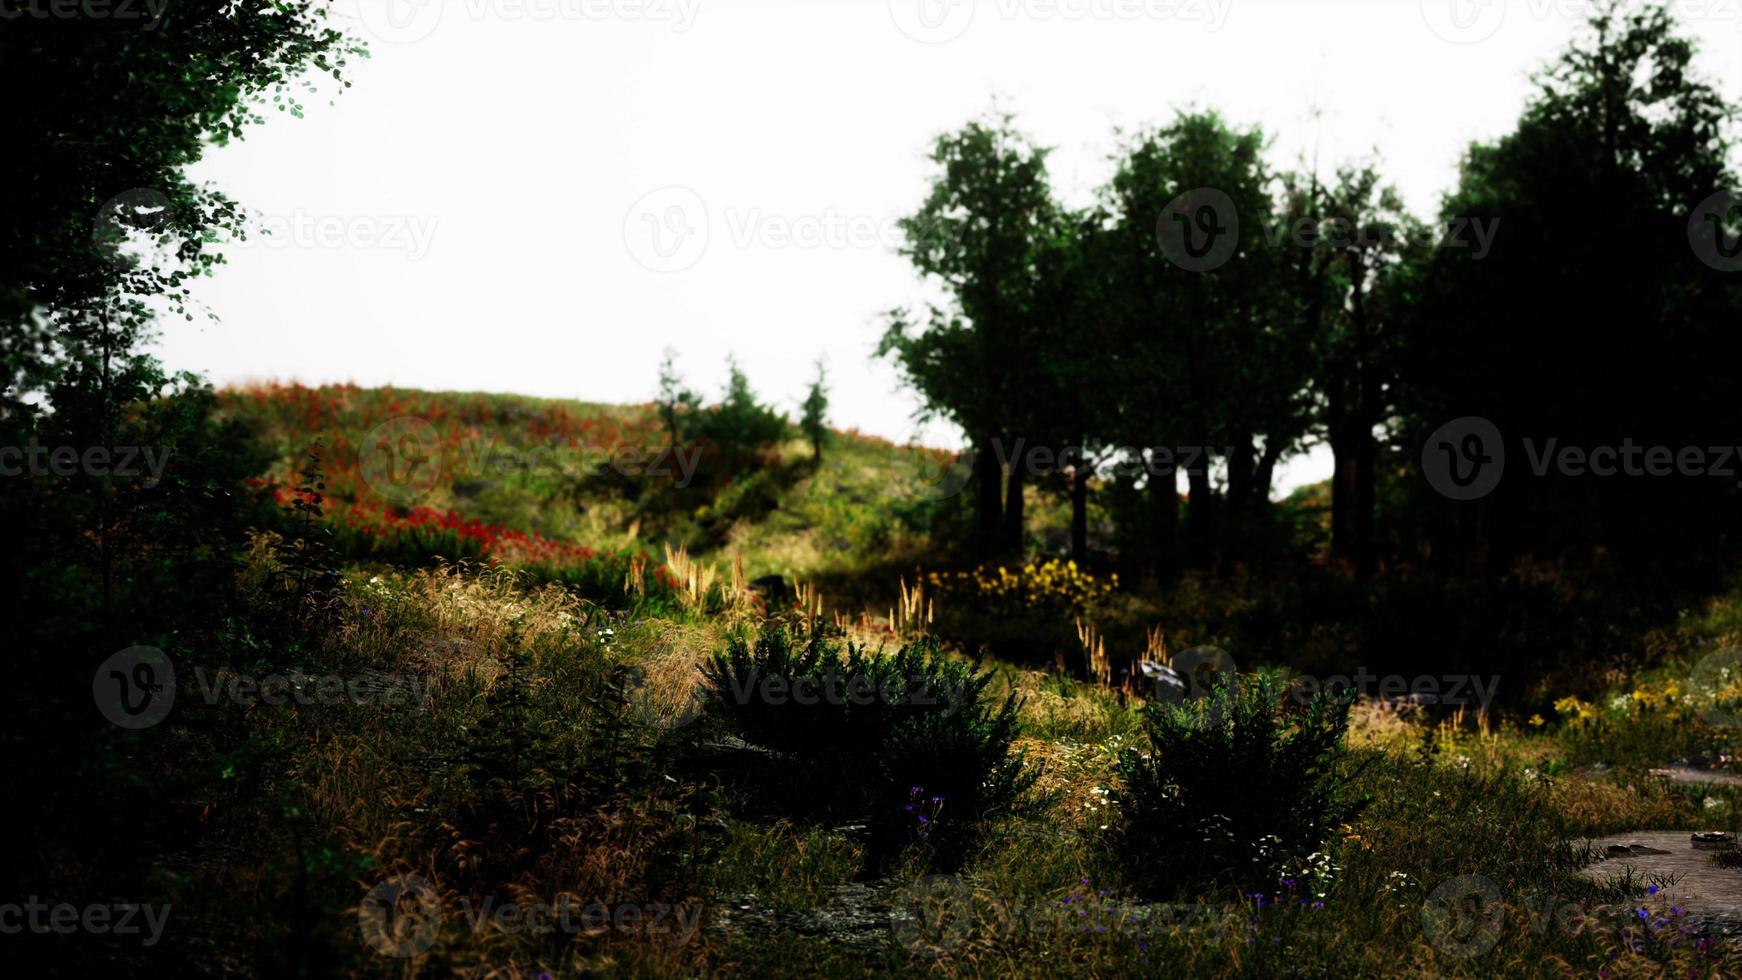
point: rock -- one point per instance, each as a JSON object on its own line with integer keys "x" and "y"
{"x": 1703, "y": 777}
{"x": 1630, "y": 850}
{"x": 1165, "y": 683}
{"x": 1712, "y": 840}
{"x": 770, "y": 587}
{"x": 1710, "y": 893}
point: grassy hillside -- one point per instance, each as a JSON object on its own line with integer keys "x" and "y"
{"x": 538, "y": 765}
{"x": 602, "y": 477}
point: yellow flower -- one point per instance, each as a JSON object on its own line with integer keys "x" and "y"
{"x": 1536, "y": 721}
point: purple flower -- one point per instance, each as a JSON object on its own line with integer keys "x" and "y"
{"x": 1642, "y": 913}
{"x": 1652, "y": 890}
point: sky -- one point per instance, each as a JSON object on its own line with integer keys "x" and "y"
{"x": 540, "y": 196}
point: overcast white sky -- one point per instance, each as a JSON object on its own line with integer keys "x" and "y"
{"x": 537, "y": 196}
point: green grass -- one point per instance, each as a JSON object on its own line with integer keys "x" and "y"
{"x": 555, "y": 756}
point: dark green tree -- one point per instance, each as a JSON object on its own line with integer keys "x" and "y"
{"x": 1212, "y": 356}
{"x": 674, "y": 400}
{"x": 815, "y": 419}
{"x": 1595, "y": 318}
{"x": 974, "y": 363}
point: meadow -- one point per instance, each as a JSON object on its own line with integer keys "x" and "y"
{"x": 366, "y": 682}
{"x": 569, "y": 787}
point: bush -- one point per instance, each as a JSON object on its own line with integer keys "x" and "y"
{"x": 740, "y": 427}
{"x": 1241, "y": 787}
{"x": 1020, "y": 613}
{"x": 909, "y": 737}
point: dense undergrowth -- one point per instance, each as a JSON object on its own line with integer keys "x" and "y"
{"x": 609, "y": 758}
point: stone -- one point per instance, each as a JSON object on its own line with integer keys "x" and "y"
{"x": 770, "y": 587}
{"x": 1629, "y": 850}
{"x": 1711, "y": 893}
{"x": 1703, "y": 777}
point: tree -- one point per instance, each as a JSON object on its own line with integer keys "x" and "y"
{"x": 740, "y": 426}
{"x": 815, "y": 420}
{"x": 1365, "y": 248}
{"x": 96, "y": 159}
{"x": 674, "y": 400}
{"x": 976, "y": 235}
{"x": 1589, "y": 320}
{"x": 1211, "y": 355}
{"x": 103, "y": 232}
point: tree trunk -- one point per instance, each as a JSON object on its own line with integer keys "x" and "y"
{"x": 1361, "y": 435}
{"x": 1164, "y": 498}
{"x": 1013, "y": 516}
{"x": 988, "y": 499}
{"x": 1342, "y": 473}
{"x": 1363, "y": 464}
{"x": 1200, "y": 515}
{"x": 1080, "y": 508}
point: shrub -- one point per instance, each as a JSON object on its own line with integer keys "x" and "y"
{"x": 1240, "y": 787}
{"x": 910, "y": 737}
{"x": 1020, "y": 613}
{"x": 740, "y": 427}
